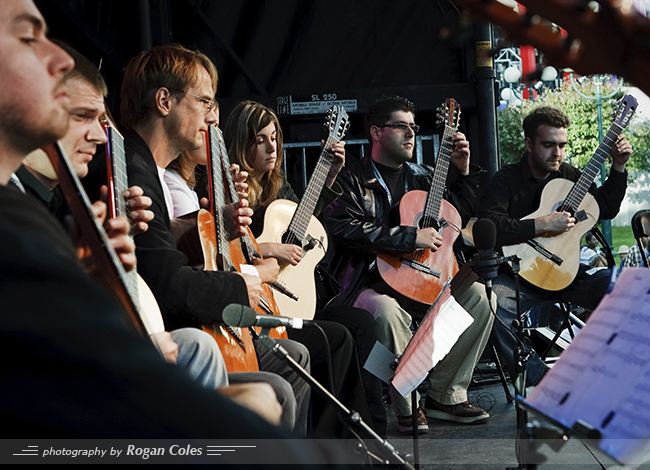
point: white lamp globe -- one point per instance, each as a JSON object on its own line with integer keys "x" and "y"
{"x": 506, "y": 94}
{"x": 511, "y": 74}
{"x": 549, "y": 74}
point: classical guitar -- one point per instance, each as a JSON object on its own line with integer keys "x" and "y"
{"x": 108, "y": 267}
{"x": 614, "y": 38}
{"x": 286, "y": 222}
{"x": 236, "y": 344}
{"x": 243, "y": 250}
{"x": 117, "y": 182}
{"x": 550, "y": 261}
{"x": 416, "y": 279}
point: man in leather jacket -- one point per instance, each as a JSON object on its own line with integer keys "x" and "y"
{"x": 364, "y": 222}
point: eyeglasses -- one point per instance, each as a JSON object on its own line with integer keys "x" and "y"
{"x": 402, "y": 126}
{"x": 209, "y": 104}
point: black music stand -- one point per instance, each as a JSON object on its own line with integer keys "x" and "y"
{"x": 595, "y": 389}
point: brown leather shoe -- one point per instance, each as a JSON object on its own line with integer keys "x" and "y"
{"x": 405, "y": 423}
{"x": 465, "y": 412}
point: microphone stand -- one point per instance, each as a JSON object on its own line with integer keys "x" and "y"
{"x": 487, "y": 271}
{"x": 351, "y": 417}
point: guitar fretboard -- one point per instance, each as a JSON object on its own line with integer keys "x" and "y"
{"x": 301, "y": 218}
{"x": 116, "y": 156}
{"x": 437, "y": 190}
{"x": 579, "y": 190}
{"x": 218, "y": 198}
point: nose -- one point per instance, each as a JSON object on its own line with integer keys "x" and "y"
{"x": 96, "y": 133}
{"x": 59, "y": 60}
{"x": 212, "y": 118}
{"x": 270, "y": 146}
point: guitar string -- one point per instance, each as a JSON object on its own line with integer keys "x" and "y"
{"x": 434, "y": 198}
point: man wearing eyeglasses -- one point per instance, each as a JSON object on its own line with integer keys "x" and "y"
{"x": 364, "y": 222}
{"x": 167, "y": 104}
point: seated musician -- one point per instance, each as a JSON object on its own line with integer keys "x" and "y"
{"x": 167, "y": 105}
{"x": 514, "y": 192}
{"x": 71, "y": 367}
{"x": 332, "y": 356}
{"x": 189, "y": 348}
{"x": 362, "y": 224}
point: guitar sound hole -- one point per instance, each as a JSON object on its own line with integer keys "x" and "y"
{"x": 290, "y": 237}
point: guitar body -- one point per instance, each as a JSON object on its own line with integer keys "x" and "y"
{"x": 417, "y": 285}
{"x": 279, "y": 332}
{"x": 236, "y": 344}
{"x": 300, "y": 279}
{"x": 148, "y": 308}
{"x": 538, "y": 269}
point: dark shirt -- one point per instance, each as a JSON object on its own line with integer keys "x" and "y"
{"x": 513, "y": 192}
{"x": 53, "y": 199}
{"x": 71, "y": 367}
{"x": 187, "y": 296}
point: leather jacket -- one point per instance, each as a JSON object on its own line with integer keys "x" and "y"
{"x": 358, "y": 222}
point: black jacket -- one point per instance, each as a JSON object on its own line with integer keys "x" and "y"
{"x": 358, "y": 222}
{"x": 187, "y": 296}
{"x": 513, "y": 193}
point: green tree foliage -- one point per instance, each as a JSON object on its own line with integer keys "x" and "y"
{"x": 583, "y": 133}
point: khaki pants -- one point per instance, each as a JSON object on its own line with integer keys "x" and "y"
{"x": 449, "y": 380}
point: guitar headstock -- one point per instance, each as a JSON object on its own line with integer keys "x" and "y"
{"x": 624, "y": 110}
{"x": 448, "y": 113}
{"x": 604, "y": 36}
{"x": 337, "y": 122}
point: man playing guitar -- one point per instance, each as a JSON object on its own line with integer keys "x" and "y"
{"x": 361, "y": 226}
{"x": 514, "y": 192}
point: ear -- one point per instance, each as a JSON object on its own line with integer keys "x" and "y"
{"x": 374, "y": 133}
{"x": 528, "y": 144}
{"x": 163, "y": 101}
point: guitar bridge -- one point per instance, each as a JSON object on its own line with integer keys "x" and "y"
{"x": 544, "y": 252}
{"x": 420, "y": 267}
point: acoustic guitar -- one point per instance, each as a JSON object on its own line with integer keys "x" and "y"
{"x": 108, "y": 267}
{"x": 416, "y": 279}
{"x": 551, "y": 260}
{"x": 286, "y": 222}
{"x": 243, "y": 250}
{"x": 117, "y": 182}
{"x": 236, "y": 344}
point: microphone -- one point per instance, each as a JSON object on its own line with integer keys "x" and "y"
{"x": 243, "y": 316}
{"x": 485, "y": 263}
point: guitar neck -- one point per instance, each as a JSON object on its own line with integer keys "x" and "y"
{"x": 438, "y": 184}
{"x": 301, "y": 218}
{"x": 579, "y": 190}
{"x": 108, "y": 265}
{"x": 217, "y": 195}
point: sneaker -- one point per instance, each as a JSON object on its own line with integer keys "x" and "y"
{"x": 460, "y": 413}
{"x": 405, "y": 423}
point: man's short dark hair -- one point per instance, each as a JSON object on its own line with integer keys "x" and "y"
{"x": 380, "y": 110}
{"x": 547, "y": 115}
{"x": 84, "y": 69}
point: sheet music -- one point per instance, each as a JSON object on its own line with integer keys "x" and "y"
{"x": 438, "y": 332}
{"x": 603, "y": 377}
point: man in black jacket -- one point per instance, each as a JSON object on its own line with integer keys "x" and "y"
{"x": 363, "y": 223}
{"x": 514, "y": 192}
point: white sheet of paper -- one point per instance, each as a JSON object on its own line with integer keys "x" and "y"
{"x": 603, "y": 377}
{"x": 432, "y": 341}
{"x": 379, "y": 362}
